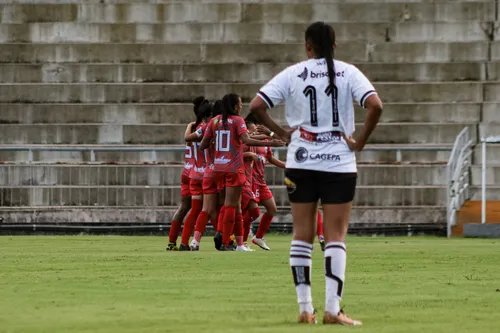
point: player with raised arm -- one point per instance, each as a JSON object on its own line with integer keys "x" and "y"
{"x": 185, "y": 206}
{"x": 203, "y": 112}
{"x": 229, "y": 131}
{"x": 321, "y": 164}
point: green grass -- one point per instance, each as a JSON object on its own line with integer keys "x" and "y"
{"x": 130, "y": 284}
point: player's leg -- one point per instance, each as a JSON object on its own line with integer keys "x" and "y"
{"x": 231, "y": 205}
{"x": 220, "y": 219}
{"x": 337, "y": 206}
{"x": 209, "y": 211}
{"x": 267, "y": 200}
{"x": 319, "y": 231}
{"x": 303, "y": 197}
{"x": 180, "y": 214}
{"x": 195, "y": 186}
{"x": 252, "y": 213}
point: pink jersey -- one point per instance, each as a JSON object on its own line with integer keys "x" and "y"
{"x": 228, "y": 147}
{"x": 198, "y": 155}
{"x": 259, "y": 168}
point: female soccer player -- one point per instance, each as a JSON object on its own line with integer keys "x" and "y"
{"x": 230, "y": 132}
{"x": 185, "y": 205}
{"x": 321, "y": 162}
{"x": 204, "y": 114}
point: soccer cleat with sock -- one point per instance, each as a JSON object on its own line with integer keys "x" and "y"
{"x": 260, "y": 242}
{"x": 172, "y": 247}
{"x": 183, "y": 247}
{"x": 243, "y": 248}
{"x": 307, "y": 318}
{"x": 248, "y": 247}
{"x": 340, "y": 319}
{"x": 218, "y": 240}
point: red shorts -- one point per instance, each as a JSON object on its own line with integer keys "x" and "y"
{"x": 232, "y": 179}
{"x": 195, "y": 187}
{"x": 262, "y": 192}
{"x": 247, "y": 195}
{"x": 210, "y": 185}
{"x": 185, "y": 192}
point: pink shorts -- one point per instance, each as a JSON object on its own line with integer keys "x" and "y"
{"x": 185, "y": 192}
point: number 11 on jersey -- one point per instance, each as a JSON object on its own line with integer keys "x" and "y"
{"x": 310, "y": 92}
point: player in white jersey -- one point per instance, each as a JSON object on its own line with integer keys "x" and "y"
{"x": 321, "y": 165}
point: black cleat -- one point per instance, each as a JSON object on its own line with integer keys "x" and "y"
{"x": 183, "y": 247}
{"x": 172, "y": 247}
{"x": 226, "y": 248}
{"x": 218, "y": 240}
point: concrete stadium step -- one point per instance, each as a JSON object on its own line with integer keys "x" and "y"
{"x": 491, "y": 113}
{"x": 69, "y": 32}
{"x": 492, "y": 174}
{"x": 182, "y": 53}
{"x": 492, "y": 192}
{"x": 401, "y": 133}
{"x": 182, "y": 92}
{"x": 492, "y": 154}
{"x": 170, "y": 195}
{"x": 249, "y": 73}
{"x": 182, "y": 113}
{"x": 360, "y": 214}
{"x": 161, "y": 175}
{"x": 391, "y": 154}
{"x": 182, "y": 12}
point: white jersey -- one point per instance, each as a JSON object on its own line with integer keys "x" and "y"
{"x": 311, "y": 106}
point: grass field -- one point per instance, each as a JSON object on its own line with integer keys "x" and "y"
{"x": 130, "y": 284}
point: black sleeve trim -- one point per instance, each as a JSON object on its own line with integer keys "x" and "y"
{"x": 362, "y": 100}
{"x": 268, "y": 100}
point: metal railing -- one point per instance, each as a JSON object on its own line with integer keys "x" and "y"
{"x": 457, "y": 172}
{"x": 484, "y": 142}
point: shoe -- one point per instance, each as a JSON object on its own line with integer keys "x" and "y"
{"x": 322, "y": 243}
{"x": 231, "y": 242}
{"x": 340, "y": 319}
{"x": 307, "y": 318}
{"x": 261, "y": 242}
{"x": 243, "y": 248}
{"x": 217, "y": 240}
{"x": 248, "y": 247}
{"x": 183, "y": 247}
{"x": 227, "y": 248}
{"x": 194, "y": 246}
{"x": 172, "y": 247}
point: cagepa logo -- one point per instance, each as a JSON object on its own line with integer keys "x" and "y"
{"x": 325, "y": 157}
{"x": 301, "y": 155}
{"x": 222, "y": 160}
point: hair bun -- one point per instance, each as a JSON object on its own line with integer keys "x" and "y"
{"x": 198, "y": 101}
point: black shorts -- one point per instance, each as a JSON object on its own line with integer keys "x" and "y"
{"x": 307, "y": 186}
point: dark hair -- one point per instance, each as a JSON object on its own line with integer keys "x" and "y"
{"x": 321, "y": 36}
{"x": 198, "y": 102}
{"x": 217, "y": 108}
{"x": 250, "y": 119}
{"x": 229, "y": 103}
{"x": 204, "y": 111}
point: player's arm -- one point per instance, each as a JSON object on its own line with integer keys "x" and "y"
{"x": 276, "y": 162}
{"x": 364, "y": 93}
{"x": 189, "y": 130}
{"x": 273, "y": 93}
{"x": 260, "y": 137}
{"x": 251, "y": 156}
{"x": 208, "y": 136}
{"x": 246, "y": 139}
{"x": 194, "y": 137}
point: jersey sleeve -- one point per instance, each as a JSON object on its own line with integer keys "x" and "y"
{"x": 361, "y": 87}
{"x": 209, "y": 130}
{"x": 269, "y": 152}
{"x": 240, "y": 126}
{"x": 199, "y": 132}
{"x": 276, "y": 90}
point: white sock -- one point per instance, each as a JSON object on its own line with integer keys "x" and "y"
{"x": 335, "y": 262}
{"x": 301, "y": 262}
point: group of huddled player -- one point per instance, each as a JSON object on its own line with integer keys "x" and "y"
{"x": 223, "y": 179}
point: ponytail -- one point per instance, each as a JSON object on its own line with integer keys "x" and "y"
{"x": 198, "y": 102}
{"x": 322, "y": 38}
{"x": 229, "y": 103}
